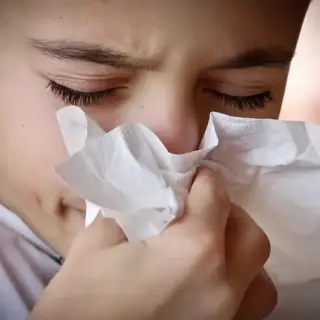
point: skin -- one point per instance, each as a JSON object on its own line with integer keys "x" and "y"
{"x": 184, "y": 53}
{"x": 199, "y": 268}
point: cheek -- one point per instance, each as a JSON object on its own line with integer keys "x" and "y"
{"x": 32, "y": 144}
{"x": 107, "y": 116}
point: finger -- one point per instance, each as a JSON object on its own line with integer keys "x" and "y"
{"x": 202, "y": 227}
{"x": 101, "y": 234}
{"x": 208, "y": 202}
{"x": 260, "y": 299}
{"x": 247, "y": 248}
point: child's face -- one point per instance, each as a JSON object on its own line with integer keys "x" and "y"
{"x": 164, "y": 63}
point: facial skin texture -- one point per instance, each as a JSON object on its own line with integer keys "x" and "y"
{"x": 182, "y": 59}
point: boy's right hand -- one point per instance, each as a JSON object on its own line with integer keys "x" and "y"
{"x": 204, "y": 266}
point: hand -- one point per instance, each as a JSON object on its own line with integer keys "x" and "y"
{"x": 261, "y": 296}
{"x": 201, "y": 267}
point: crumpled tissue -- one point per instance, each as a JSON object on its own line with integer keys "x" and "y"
{"x": 127, "y": 174}
{"x": 271, "y": 168}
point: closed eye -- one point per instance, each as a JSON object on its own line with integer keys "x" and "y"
{"x": 253, "y": 102}
{"x": 79, "y": 98}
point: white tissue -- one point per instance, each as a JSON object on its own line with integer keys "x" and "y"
{"x": 127, "y": 174}
{"x": 270, "y": 168}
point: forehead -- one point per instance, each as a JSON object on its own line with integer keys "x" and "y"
{"x": 218, "y": 27}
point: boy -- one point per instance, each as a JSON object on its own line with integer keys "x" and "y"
{"x": 166, "y": 64}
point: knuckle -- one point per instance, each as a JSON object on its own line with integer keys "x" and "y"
{"x": 270, "y": 295}
{"x": 264, "y": 246}
{"x": 272, "y": 300}
{"x": 260, "y": 299}
{"x": 261, "y": 244}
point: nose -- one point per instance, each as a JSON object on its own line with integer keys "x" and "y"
{"x": 169, "y": 109}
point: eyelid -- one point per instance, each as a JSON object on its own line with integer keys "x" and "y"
{"x": 89, "y": 84}
{"x": 248, "y": 81}
{"x": 70, "y": 96}
{"x": 235, "y": 89}
{"x": 68, "y": 88}
{"x": 253, "y": 102}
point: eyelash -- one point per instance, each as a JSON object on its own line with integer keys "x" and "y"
{"x": 73, "y": 97}
{"x": 254, "y": 102}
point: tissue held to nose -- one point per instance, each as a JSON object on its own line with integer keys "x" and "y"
{"x": 202, "y": 267}
{"x": 127, "y": 171}
{"x": 269, "y": 167}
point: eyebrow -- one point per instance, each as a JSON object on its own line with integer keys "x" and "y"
{"x": 84, "y": 52}
{"x": 80, "y": 51}
{"x": 258, "y": 57}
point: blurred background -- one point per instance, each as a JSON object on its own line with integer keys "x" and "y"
{"x": 302, "y": 98}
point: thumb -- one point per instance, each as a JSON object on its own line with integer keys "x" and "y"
{"x": 101, "y": 234}
{"x": 208, "y": 202}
